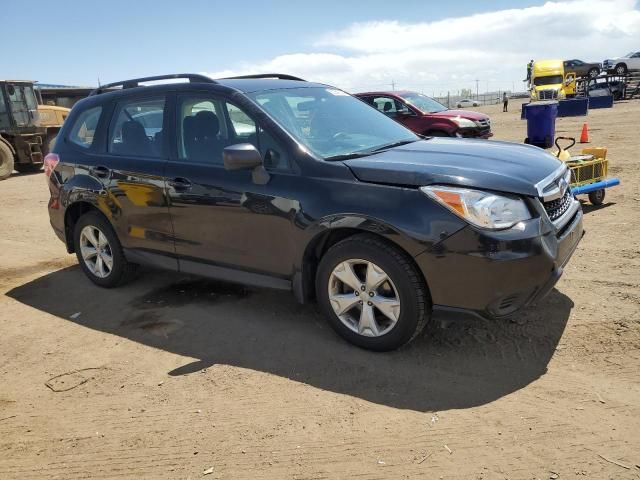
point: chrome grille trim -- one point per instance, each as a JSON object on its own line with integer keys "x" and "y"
{"x": 549, "y": 189}
{"x": 568, "y": 215}
{"x": 547, "y": 94}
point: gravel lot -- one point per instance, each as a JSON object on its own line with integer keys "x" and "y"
{"x": 175, "y": 377}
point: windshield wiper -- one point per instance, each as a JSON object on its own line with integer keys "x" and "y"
{"x": 392, "y": 145}
{"x": 347, "y": 156}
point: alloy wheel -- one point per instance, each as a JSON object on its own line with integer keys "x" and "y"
{"x": 364, "y": 298}
{"x": 96, "y": 251}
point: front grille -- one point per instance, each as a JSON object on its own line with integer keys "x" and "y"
{"x": 556, "y": 208}
{"x": 548, "y": 94}
{"x": 483, "y": 123}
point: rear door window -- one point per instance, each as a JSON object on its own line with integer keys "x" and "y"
{"x": 83, "y": 131}
{"x": 137, "y": 128}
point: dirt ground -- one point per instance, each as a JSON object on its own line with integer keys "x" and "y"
{"x": 176, "y": 377}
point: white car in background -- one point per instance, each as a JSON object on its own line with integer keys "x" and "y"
{"x": 621, "y": 65}
{"x": 467, "y": 103}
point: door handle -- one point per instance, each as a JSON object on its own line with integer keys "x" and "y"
{"x": 100, "y": 171}
{"x": 180, "y": 183}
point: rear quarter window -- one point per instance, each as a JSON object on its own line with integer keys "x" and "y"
{"x": 83, "y": 131}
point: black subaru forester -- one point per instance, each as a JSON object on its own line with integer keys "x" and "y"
{"x": 273, "y": 181}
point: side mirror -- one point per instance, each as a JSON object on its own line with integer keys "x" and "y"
{"x": 242, "y": 156}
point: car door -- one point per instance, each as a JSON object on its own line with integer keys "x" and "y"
{"x": 132, "y": 172}
{"x": 392, "y": 108}
{"x": 575, "y": 66}
{"x": 221, "y": 218}
{"x": 634, "y": 62}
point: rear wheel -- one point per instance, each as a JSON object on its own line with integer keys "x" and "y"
{"x": 100, "y": 253}
{"x": 621, "y": 69}
{"x": 593, "y": 73}
{"x": 6, "y": 161}
{"x": 597, "y": 197}
{"x": 371, "y": 293}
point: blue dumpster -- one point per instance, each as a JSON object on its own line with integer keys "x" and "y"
{"x": 541, "y": 123}
{"x": 601, "y": 102}
{"x": 573, "y": 107}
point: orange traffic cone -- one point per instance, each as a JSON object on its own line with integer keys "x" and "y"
{"x": 584, "y": 136}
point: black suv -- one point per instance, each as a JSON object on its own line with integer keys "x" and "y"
{"x": 273, "y": 181}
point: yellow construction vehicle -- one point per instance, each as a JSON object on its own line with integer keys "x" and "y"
{"x": 27, "y": 128}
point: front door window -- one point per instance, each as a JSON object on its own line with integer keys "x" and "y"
{"x": 4, "y": 113}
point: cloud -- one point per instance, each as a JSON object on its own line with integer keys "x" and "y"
{"x": 452, "y": 53}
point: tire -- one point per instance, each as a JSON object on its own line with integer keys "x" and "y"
{"x": 403, "y": 285}
{"x": 597, "y": 197}
{"x": 593, "y": 73}
{"x": 121, "y": 270}
{"x": 6, "y": 161}
{"x": 458, "y": 106}
{"x": 28, "y": 167}
{"x": 621, "y": 69}
{"x": 437, "y": 133}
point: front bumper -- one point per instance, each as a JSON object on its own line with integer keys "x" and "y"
{"x": 475, "y": 132}
{"x": 494, "y": 274}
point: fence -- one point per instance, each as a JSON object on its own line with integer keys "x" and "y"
{"x": 488, "y": 98}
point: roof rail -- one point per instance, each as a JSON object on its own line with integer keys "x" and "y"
{"x": 135, "y": 82}
{"x": 279, "y": 76}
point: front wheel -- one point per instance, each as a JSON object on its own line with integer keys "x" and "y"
{"x": 621, "y": 69}
{"x": 593, "y": 73}
{"x": 371, "y": 293}
{"x": 99, "y": 252}
{"x": 437, "y": 133}
{"x": 6, "y": 161}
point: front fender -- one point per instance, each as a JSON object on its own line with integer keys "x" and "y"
{"x": 365, "y": 224}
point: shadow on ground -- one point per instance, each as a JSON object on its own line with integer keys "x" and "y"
{"x": 456, "y": 363}
{"x": 589, "y": 208}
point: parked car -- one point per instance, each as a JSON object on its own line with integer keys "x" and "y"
{"x": 621, "y": 65}
{"x": 582, "y": 69}
{"x": 602, "y": 87}
{"x": 424, "y": 116}
{"x": 323, "y": 196}
{"x": 467, "y": 102}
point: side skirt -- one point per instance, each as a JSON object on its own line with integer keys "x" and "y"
{"x": 226, "y": 274}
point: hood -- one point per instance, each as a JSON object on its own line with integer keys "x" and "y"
{"x": 490, "y": 165}
{"x": 475, "y": 116}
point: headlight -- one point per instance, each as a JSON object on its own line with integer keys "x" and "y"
{"x": 482, "y": 209}
{"x": 464, "y": 122}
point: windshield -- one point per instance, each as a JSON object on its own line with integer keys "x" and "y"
{"x": 330, "y": 122}
{"x": 423, "y": 103}
{"x": 551, "y": 80}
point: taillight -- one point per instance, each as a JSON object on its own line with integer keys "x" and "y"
{"x": 50, "y": 162}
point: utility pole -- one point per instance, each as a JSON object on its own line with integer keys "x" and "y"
{"x": 477, "y": 96}
{"x": 393, "y": 84}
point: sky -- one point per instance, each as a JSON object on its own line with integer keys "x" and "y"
{"x": 428, "y": 46}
